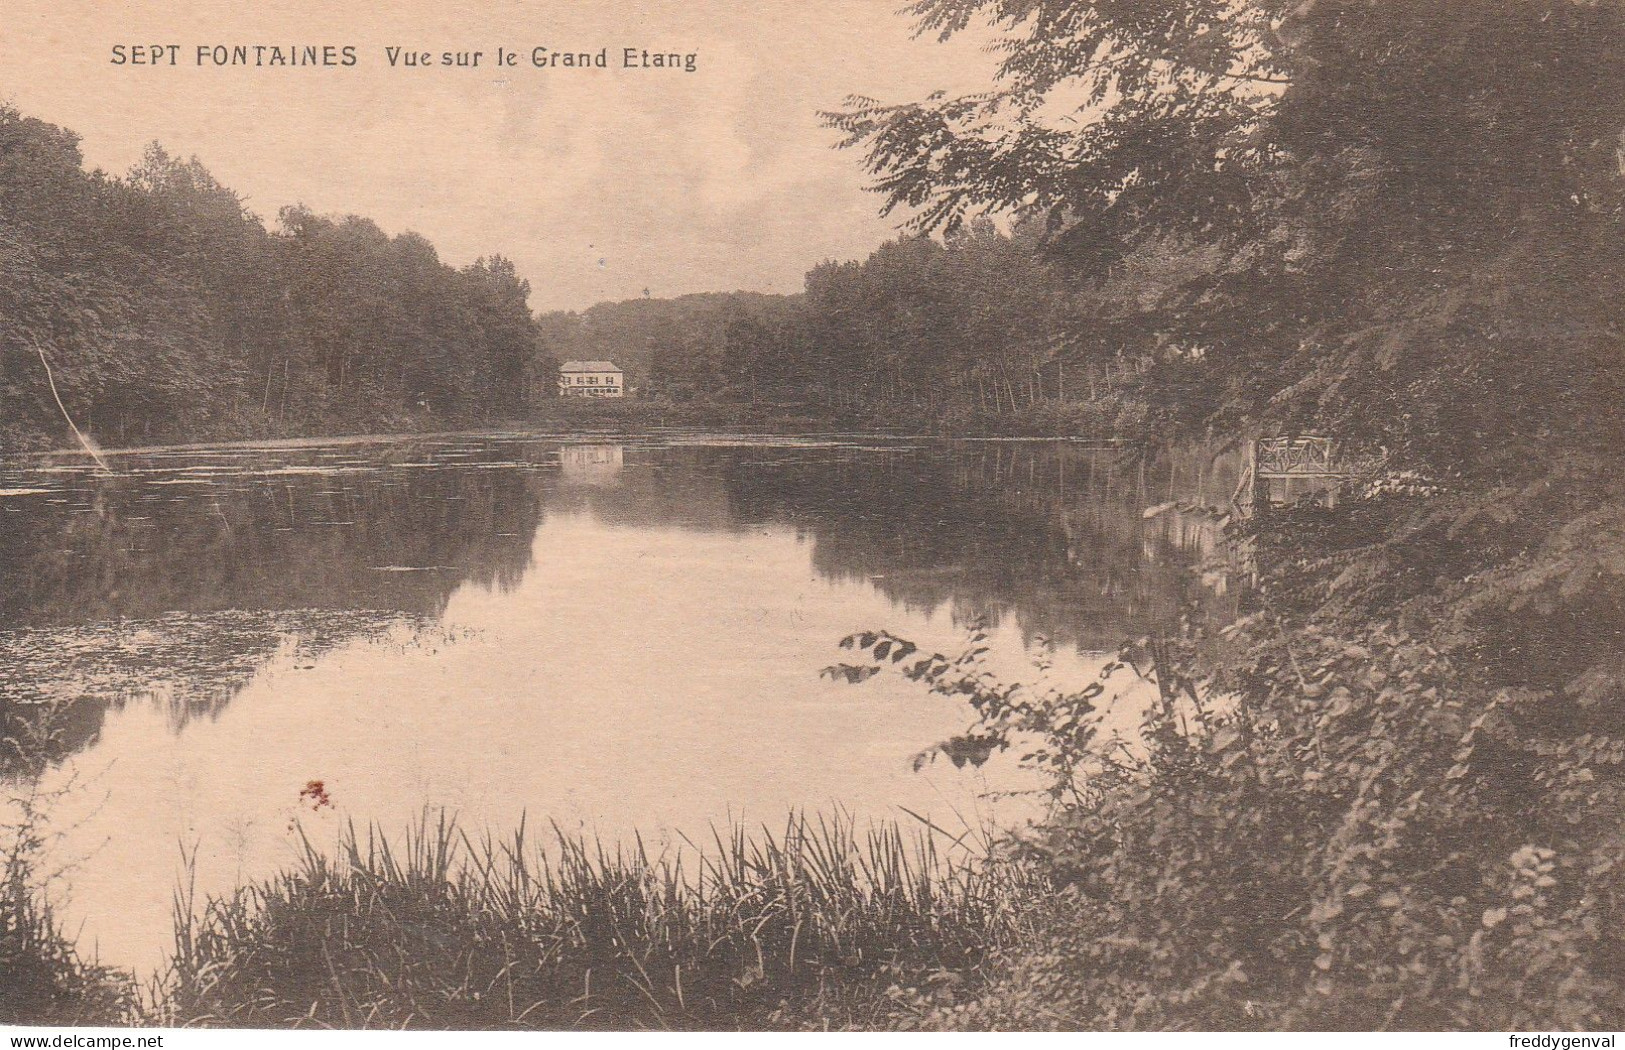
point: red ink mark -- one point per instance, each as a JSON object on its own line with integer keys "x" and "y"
{"x": 315, "y": 793}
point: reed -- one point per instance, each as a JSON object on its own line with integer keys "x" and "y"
{"x": 44, "y": 977}
{"x": 822, "y": 923}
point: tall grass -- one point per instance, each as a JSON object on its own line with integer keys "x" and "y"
{"x": 44, "y": 979}
{"x": 820, "y": 924}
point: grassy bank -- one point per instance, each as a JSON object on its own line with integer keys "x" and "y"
{"x": 818, "y": 925}
{"x": 44, "y": 978}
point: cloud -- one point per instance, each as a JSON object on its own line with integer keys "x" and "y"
{"x": 680, "y": 182}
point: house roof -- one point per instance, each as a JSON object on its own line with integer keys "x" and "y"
{"x": 589, "y": 366}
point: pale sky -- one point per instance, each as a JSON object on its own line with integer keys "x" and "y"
{"x": 597, "y": 183}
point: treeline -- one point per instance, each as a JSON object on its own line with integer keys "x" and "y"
{"x": 978, "y": 328}
{"x": 165, "y": 309}
{"x": 695, "y": 347}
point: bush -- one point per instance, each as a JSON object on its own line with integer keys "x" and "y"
{"x": 1344, "y": 822}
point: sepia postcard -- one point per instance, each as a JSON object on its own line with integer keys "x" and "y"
{"x": 869, "y": 516}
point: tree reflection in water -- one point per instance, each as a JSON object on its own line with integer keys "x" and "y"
{"x": 177, "y": 579}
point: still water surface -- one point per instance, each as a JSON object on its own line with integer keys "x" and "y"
{"x": 614, "y": 634}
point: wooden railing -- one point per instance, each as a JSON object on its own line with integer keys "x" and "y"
{"x": 1305, "y": 457}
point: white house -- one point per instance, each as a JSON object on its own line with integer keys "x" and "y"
{"x": 591, "y": 379}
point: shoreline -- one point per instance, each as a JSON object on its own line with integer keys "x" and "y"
{"x": 525, "y": 430}
{"x": 1092, "y": 422}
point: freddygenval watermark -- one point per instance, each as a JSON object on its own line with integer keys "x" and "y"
{"x": 1563, "y": 1042}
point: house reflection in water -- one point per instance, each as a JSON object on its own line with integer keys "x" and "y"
{"x": 598, "y": 465}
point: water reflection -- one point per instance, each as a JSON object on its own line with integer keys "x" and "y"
{"x": 190, "y": 568}
{"x": 613, "y": 634}
{"x": 177, "y": 578}
{"x": 591, "y": 464}
{"x": 1049, "y": 534}
{"x": 310, "y": 529}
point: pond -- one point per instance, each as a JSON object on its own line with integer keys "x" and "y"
{"x": 610, "y": 633}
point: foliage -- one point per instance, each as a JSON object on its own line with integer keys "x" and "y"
{"x": 1345, "y": 821}
{"x": 979, "y": 332}
{"x": 167, "y": 310}
{"x": 1396, "y": 222}
{"x": 812, "y": 926}
{"x": 44, "y": 980}
{"x": 958, "y": 334}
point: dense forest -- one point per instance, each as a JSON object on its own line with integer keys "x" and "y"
{"x": 161, "y": 308}
{"x": 979, "y": 329}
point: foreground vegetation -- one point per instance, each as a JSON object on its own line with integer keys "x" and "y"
{"x": 819, "y": 925}
{"x": 44, "y": 978}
